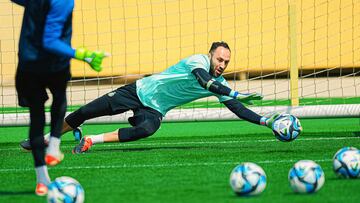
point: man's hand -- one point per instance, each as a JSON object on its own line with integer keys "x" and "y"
{"x": 93, "y": 58}
{"x": 269, "y": 121}
{"x": 248, "y": 97}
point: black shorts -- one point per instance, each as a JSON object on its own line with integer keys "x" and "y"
{"x": 115, "y": 102}
{"x": 31, "y": 86}
{"x": 125, "y": 98}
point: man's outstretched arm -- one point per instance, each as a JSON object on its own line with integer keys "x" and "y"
{"x": 244, "y": 113}
{"x": 206, "y": 81}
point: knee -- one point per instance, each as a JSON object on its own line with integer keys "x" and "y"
{"x": 148, "y": 128}
{"x": 143, "y": 130}
{"x": 75, "y": 118}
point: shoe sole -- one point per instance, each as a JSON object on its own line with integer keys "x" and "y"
{"x": 52, "y": 161}
{"x": 73, "y": 151}
{"x": 25, "y": 149}
{"x": 41, "y": 194}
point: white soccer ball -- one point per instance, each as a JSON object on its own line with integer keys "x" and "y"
{"x": 346, "y": 162}
{"x": 248, "y": 179}
{"x": 286, "y": 127}
{"x": 306, "y": 176}
{"x": 65, "y": 189}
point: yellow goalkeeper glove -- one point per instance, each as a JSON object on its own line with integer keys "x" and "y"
{"x": 93, "y": 58}
{"x": 269, "y": 121}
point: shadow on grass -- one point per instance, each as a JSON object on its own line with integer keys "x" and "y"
{"x": 334, "y": 178}
{"x": 245, "y": 197}
{"x": 15, "y": 193}
{"x": 300, "y": 194}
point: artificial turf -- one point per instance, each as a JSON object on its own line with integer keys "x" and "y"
{"x": 186, "y": 162}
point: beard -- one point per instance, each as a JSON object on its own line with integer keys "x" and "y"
{"x": 212, "y": 71}
{"x": 212, "y": 68}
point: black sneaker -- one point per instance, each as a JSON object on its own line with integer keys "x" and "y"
{"x": 25, "y": 144}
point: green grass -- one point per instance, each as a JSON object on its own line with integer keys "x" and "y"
{"x": 215, "y": 104}
{"x": 186, "y": 162}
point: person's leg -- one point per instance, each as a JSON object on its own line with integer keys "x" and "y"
{"x": 96, "y": 108}
{"x": 32, "y": 94}
{"x": 57, "y": 85}
{"x": 37, "y": 123}
{"x": 146, "y": 122}
{"x": 114, "y": 102}
{"x": 58, "y": 110}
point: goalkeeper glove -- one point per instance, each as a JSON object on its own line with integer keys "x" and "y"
{"x": 93, "y": 58}
{"x": 268, "y": 122}
{"x": 248, "y": 97}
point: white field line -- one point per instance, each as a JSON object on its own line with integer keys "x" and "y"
{"x": 14, "y": 170}
{"x": 159, "y": 143}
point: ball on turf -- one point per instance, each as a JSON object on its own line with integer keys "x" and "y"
{"x": 65, "y": 189}
{"x": 248, "y": 179}
{"x": 306, "y": 176}
{"x": 286, "y": 127}
{"x": 346, "y": 162}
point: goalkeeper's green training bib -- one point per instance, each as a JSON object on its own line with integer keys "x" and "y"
{"x": 176, "y": 85}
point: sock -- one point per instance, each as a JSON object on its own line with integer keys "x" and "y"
{"x": 97, "y": 138}
{"x": 54, "y": 146}
{"x": 47, "y": 137}
{"x": 263, "y": 121}
{"x": 42, "y": 175}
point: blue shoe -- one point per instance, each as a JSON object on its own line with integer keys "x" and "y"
{"x": 77, "y": 132}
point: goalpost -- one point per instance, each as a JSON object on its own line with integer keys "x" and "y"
{"x": 303, "y": 56}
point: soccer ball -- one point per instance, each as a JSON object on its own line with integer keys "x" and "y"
{"x": 306, "y": 176}
{"x": 346, "y": 162}
{"x": 248, "y": 179}
{"x": 65, "y": 189}
{"x": 286, "y": 127}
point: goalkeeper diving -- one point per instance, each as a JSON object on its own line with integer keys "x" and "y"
{"x": 150, "y": 98}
